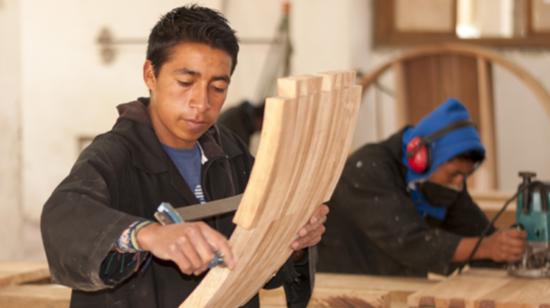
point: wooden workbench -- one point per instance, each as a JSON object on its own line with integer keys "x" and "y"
{"x": 24, "y": 284}
{"x": 28, "y": 285}
{"x": 484, "y": 288}
{"x": 17, "y": 272}
{"x": 338, "y": 290}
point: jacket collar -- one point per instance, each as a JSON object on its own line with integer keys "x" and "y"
{"x": 134, "y": 124}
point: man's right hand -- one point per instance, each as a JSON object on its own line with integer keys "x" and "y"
{"x": 505, "y": 245}
{"x": 190, "y": 245}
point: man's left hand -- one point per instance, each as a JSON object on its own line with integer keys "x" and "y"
{"x": 310, "y": 234}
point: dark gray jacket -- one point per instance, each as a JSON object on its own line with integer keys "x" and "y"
{"x": 120, "y": 178}
{"x": 373, "y": 226}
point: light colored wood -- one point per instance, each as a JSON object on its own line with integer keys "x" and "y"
{"x": 17, "y": 291}
{"x": 322, "y": 297}
{"x": 327, "y": 298}
{"x": 540, "y": 16}
{"x": 400, "y": 94}
{"x": 391, "y": 291}
{"x": 425, "y": 16}
{"x": 20, "y": 272}
{"x": 36, "y": 296}
{"x": 329, "y": 289}
{"x": 280, "y": 122}
{"x": 487, "y": 174}
{"x": 525, "y": 77}
{"x": 305, "y": 140}
{"x": 485, "y": 288}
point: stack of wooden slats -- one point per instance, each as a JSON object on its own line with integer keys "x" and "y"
{"x": 305, "y": 139}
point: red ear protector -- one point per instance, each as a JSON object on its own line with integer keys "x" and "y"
{"x": 418, "y": 149}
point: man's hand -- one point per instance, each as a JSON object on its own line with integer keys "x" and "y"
{"x": 505, "y": 245}
{"x": 310, "y": 234}
{"x": 190, "y": 245}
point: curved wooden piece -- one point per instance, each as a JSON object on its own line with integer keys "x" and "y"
{"x": 530, "y": 82}
{"x": 304, "y": 144}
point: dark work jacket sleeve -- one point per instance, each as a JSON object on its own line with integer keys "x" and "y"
{"x": 78, "y": 227}
{"x": 466, "y": 218}
{"x": 373, "y": 196}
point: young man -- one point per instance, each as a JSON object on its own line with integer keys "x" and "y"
{"x": 98, "y": 227}
{"x": 402, "y": 206}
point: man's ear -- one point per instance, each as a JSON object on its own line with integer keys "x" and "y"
{"x": 149, "y": 75}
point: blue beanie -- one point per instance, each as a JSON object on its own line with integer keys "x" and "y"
{"x": 452, "y": 144}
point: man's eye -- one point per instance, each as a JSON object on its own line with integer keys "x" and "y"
{"x": 185, "y": 83}
{"x": 219, "y": 89}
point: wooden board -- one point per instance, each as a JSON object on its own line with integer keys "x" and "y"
{"x": 331, "y": 290}
{"x": 19, "y": 272}
{"x": 323, "y": 297}
{"x": 484, "y": 288}
{"x": 36, "y": 296}
{"x": 305, "y": 140}
{"x": 343, "y": 290}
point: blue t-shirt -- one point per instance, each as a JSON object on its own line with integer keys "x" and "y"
{"x": 188, "y": 162}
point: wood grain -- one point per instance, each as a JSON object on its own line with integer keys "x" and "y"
{"x": 485, "y": 288}
{"x": 20, "y": 272}
{"x": 305, "y": 139}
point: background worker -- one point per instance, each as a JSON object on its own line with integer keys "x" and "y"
{"x": 402, "y": 205}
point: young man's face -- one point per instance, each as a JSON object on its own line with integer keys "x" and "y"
{"x": 453, "y": 173}
{"x": 188, "y": 93}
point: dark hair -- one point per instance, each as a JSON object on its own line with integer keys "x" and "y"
{"x": 472, "y": 155}
{"x": 194, "y": 24}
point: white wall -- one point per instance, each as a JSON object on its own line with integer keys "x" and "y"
{"x": 523, "y": 125}
{"x": 10, "y": 124}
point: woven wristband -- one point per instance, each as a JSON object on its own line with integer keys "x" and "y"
{"x": 133, "y": 234}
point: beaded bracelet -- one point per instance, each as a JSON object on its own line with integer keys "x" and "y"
{"x": 127, "y": 242}
{"x": 134, "y": 231}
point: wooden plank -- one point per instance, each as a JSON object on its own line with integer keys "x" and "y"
{"x": 309, "y": 132}
{"x": 393, "y": 291}
{"x": 431, "y": 80}
{"x": 486, "y": 177}
{"x": 330, "y": 290}
{"x": 20, "y": 272}
{"x": 280, "y": 123}
{"x": 325, "y": 298}
{"x": 364, "y": 282}
{"x": 401, "y": 95}
{"x": 36, "y": 296}
{"x": 485, "y": 288}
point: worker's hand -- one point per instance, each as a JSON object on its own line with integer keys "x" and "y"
{"x": 310, "y": 234}
{"x": 190, "y": 245}
{"x": 506, "y": 245}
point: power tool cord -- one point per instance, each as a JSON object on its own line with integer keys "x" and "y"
{"x": 490, "y": 226}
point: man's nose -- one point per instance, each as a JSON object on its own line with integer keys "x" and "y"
{"x": 199, "y": 98}
{"x": 459, "y": 181}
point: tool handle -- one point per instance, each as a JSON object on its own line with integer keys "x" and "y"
{"x": 166, "y": 214}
